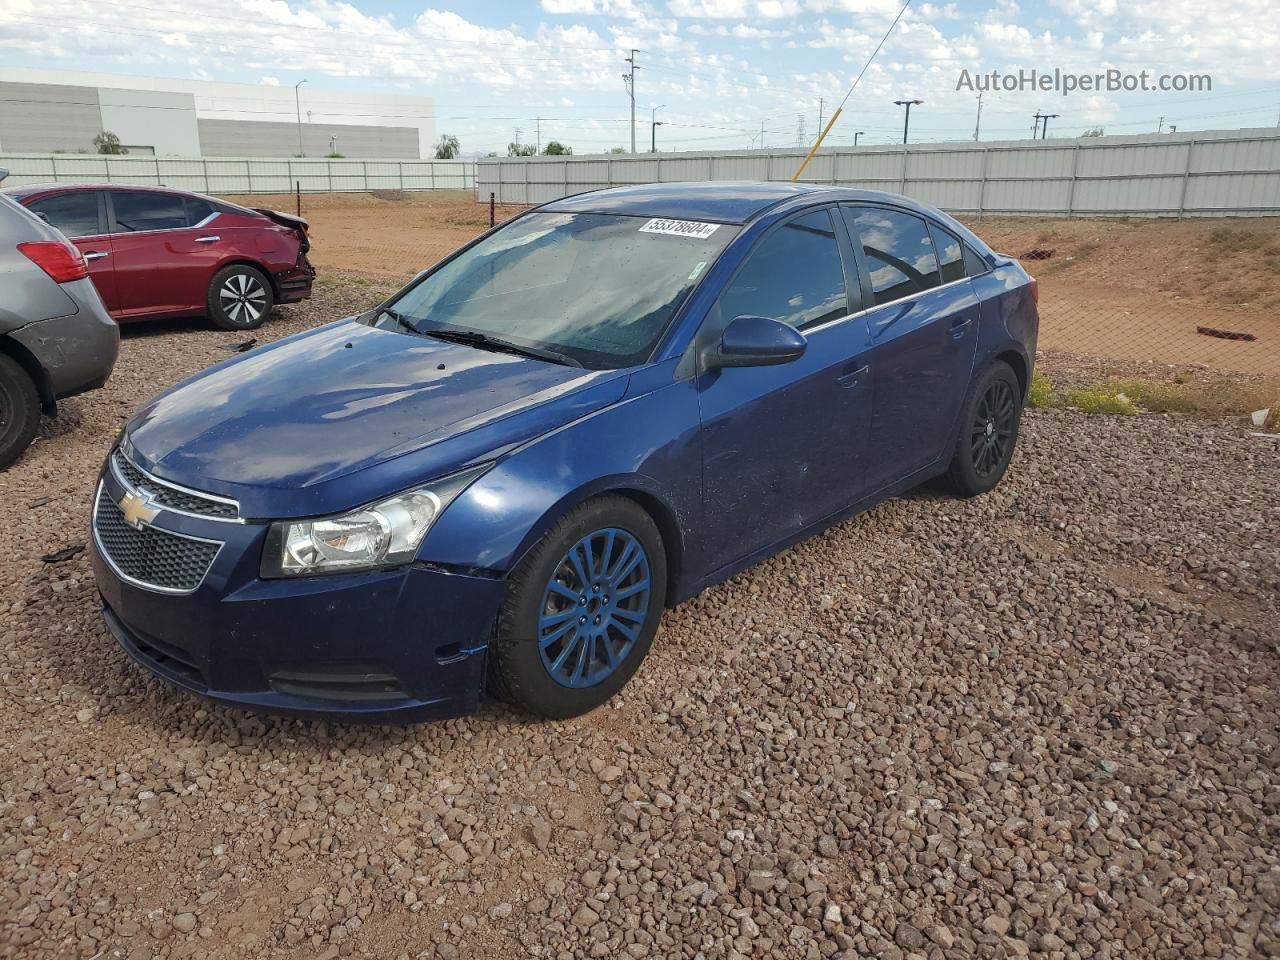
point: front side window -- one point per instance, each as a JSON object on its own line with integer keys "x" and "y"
{"x": 145, "y": 210}
{"x": 794, "y": 275}
{"x": 75, "y": 214}
{"x": 598, "y": 289}
{"x": 899, "y": 253}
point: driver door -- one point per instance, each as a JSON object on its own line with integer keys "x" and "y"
{"x": 784, "y": 446}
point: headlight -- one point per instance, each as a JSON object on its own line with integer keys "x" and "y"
{"x": 382, "y": 534}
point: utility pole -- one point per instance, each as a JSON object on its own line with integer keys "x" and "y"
{"x": 1160, "y": 126}
{"x": 654, "y": 124}
{"x": 822, "y": 102}
{"x": 538, "y": 121}
{"x": 906, "y": 123}
{"x": 297, "y": 103}
{"x": 856, "y": 135}
{"x": 1044, "y": 131}
{"x": 1035, "y": 131}
{"x": 762, "y": 123}
{"x": 977, "y": 126}
{"x": 629, "y": 78}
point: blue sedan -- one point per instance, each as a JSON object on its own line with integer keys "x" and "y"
{"x": 498, "y": 479}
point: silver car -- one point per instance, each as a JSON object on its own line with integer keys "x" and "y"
{"x": 56, "y": 338}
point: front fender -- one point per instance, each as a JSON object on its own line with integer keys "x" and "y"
{"x": 647, "y": 444}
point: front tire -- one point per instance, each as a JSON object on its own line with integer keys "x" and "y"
{"x": 239, "y": 298}
{"x": 581, "y": 610}
{"x": 989, "y": 423}
{"x": 19, "y": 410}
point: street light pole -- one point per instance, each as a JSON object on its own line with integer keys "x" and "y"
{"x": 297, "y": 103}
{"x": 906, "y": 123}
{"x": 654, "y": 124}
{"x": 1044, "y": 130}
{"x": 856, "y": 135}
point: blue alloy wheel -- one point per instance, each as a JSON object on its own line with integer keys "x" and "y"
{"x": 593, "y": 607}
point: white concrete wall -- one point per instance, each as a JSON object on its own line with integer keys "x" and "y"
{"x": 166, "y": 122}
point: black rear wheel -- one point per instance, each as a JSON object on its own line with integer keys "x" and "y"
{"x": 19, "y": 410}
{"x": 239, "y": 298}
{"x": 988, "y": 432}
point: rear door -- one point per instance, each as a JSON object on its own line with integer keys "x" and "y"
{"x": 924, "y": 336}
{"x": 81, "y": 216}
{"x": 164, "y": 250}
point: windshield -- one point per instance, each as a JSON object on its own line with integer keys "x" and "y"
{"x": 598, "y": 290}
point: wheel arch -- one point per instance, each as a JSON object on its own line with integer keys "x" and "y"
{"x": 27, "y": 361}
{"x": 240, "y": 260}
{"x": 659, "y": 510}
{"x": 1021, "y": 368}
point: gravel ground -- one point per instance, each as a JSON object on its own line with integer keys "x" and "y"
{"x": 1039, "y": 723}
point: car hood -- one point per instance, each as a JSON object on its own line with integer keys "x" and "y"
{"x": 345, "y": 413}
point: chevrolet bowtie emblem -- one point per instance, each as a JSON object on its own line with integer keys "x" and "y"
{"x": 137, "y": 509}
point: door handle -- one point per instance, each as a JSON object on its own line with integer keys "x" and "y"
{"x": 853, "y": 377}
{"x": 95, "y": 255}
{"x": 209, "y": 239}
{"x": 959, "y": 325}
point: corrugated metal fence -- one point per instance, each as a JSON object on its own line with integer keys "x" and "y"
{"x": 219, "y": 175}
{"x": 1213, "y": 173}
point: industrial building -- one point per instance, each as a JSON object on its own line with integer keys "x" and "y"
{"x": 48, "y": 111}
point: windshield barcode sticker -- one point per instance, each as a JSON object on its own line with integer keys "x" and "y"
{"x": 680, "y": 228}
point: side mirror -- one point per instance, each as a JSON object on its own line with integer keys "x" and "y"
{"x": 756, "y": 342}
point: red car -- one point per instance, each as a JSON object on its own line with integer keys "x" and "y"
{"x": 154, "y": 252}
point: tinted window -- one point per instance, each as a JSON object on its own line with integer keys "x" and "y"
{"x": 147, "y": 211}
{"x": 899, "y": 252}
{"x": 600, "y": 288}
{"x": 950, "y": 253}
{"x": 197, "y": 210}
{"x": 75, "y": 214}
{"x": 974, "y": 264}
{"x": 793, "y": 274}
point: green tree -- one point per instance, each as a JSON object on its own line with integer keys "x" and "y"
{"x": 448, "y": 147}
{"x": 617, "y": 149}
{"x": 108, "y": 142}
{"x": 521, "y": 149}
{"x": 557, "y": 149}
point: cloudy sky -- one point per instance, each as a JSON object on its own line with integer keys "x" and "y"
{"x": 718, "y": 70}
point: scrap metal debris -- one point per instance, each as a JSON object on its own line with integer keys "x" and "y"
{"x": 1038, "y": 254}
{"x": 1225, "y": 334}
{"x": 243, "y": 346}
{"x": 66, "y": 553}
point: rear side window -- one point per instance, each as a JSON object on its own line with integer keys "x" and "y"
{"x": 794, "y": 275}
{"x": 975, "y": 265}
{"x": 197, "y": 210}
{"x": 950, "y": 254}
{"x": 899, "y": 252}
{"x": 147, "y": 211}
{"x": 75, "y": 214}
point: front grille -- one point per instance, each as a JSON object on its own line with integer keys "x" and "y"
{"x": 167, "y": 495}
{"x": 150, "y": 557}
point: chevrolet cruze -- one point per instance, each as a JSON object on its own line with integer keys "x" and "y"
{"x": 500, "y": 477}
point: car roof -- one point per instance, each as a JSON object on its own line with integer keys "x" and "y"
{"x": 733, "y": 202}
{"x": 33, "y": 189}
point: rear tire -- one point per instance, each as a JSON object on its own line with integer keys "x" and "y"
{"x": 581, "y": 610}
{"x": 239, "y": 298}
{"x": 19, "y": 410}
{"x": 988, "y": 432}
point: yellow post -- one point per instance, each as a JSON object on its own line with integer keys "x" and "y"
{"x": 822, "y": 136}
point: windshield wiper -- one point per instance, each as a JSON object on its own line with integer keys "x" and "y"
{"x": 474, "y": 338}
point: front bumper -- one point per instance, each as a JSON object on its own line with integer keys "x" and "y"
{"x": 404, "y": 644}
